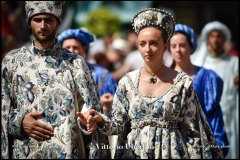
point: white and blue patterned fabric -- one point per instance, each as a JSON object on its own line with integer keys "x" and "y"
{"x": 56, "y": 82}
{"x": 51, "y": 7}
{"x": 170, "y": 126}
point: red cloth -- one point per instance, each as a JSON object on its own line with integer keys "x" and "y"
{"x": 5, "y": 28}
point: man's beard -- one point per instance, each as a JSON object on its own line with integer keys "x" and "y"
{"x": 217, "y": 47}
{"x": 47, "y": 39}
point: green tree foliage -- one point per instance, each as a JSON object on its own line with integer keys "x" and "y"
{"x": 102, "y": 22}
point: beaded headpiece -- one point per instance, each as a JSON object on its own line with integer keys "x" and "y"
{"x": 154, "y": 17}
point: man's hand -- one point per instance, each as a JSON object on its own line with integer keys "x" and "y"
{"x": 34, "y": 128}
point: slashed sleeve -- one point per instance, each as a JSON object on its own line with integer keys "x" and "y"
{"x": 87, "y": 88}
{"x": 5, "y": 108}
{"x": 115, "y": 122}
{"x": 85, "y": 85}
{"x": 11, "y": 115}
{"x": 197, "y": 134}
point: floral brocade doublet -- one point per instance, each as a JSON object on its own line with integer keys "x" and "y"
{"x": 171, "y": 126}
{"x": 56, "y": 82}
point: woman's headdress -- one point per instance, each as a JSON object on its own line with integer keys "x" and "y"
{"x": 154, "y": 17}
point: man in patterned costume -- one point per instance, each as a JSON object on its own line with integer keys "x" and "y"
{"x": 43, "y": 86}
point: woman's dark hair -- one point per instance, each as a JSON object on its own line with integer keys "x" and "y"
{"x": 188, "y": 38}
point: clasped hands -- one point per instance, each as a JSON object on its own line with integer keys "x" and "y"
{"x": 91, "y": 119}
{"x": 40, "y": 131}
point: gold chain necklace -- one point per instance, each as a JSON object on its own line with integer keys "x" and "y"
{"x": 153, "y": 79}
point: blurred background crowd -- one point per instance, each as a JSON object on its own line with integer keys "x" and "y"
{"x": 110, "y": 20}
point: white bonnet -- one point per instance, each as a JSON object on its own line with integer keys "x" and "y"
{"x": 215, "y": 25}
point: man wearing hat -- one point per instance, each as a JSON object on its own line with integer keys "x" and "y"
{"x": 78, "y": 41}
{"x": 43, "y": 86}
{"x": 211, "y": 55}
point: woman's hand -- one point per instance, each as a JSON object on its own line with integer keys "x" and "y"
{"x": 91, "y": 119}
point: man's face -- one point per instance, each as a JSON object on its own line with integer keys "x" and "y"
{"x": 216, "y": 40}
{"x": 74, "y": 46}
{"x": 44, "y": 27}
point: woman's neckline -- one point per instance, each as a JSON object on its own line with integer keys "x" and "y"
{"x": 178, "y": 77}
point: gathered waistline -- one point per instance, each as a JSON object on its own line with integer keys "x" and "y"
{"x": 154, "y": 122}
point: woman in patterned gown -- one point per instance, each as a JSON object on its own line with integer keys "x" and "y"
{"x": 158, "y": 102}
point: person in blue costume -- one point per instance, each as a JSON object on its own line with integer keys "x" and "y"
{"x": 78, "y": 41}
{"x": 207, "y": 84}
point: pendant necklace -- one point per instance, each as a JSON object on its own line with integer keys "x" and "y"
{"x": 153, "y": 78}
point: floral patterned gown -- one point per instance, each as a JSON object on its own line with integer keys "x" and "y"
{"x": 56, "y": 82}
{"x": 169, "y": 126}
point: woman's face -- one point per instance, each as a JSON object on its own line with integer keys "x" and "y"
{"x": 180, "y": 48}
{"x": 151, "y": 44}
